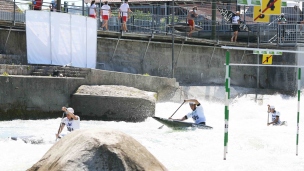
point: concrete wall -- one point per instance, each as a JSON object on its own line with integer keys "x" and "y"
{"x": 16, "y": 44}
{"x": 43, "y": 96}
{"x": 26, "y": 96}
{"x": 194, "y": 65}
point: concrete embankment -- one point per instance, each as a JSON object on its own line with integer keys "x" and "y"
{"x": 38, "y": 97}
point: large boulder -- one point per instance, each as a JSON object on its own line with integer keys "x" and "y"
{"x": 98, "y": 150}
{"x": 113, "y": 103}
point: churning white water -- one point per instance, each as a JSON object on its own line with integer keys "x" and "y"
{"x": 252, "y": 144}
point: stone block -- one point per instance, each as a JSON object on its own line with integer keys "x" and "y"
{"x": 113, "y": 103}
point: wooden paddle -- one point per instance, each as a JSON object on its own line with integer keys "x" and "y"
{"x": 173, "y": 114}
{"x": 60, "y": 125}
{"x": 267, "y": 118}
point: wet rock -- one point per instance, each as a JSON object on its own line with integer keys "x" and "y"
{"x": 98, "y": 150}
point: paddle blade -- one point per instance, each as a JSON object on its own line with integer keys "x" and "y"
{"x": 161, "y": 127}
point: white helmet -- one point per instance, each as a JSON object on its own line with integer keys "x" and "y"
{"x": 71, "y": 110}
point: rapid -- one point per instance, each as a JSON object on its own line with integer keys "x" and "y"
{"x": 252, "y": 145}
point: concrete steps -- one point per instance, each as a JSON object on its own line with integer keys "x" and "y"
{"x": 56, "y": 71}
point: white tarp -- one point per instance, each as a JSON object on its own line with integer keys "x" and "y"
{"x": 294, "y": 3}
{"x": 61, "y": 39}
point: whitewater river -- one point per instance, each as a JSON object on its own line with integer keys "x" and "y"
{"x": 252, "y": 144}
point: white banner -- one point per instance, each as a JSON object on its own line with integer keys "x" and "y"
{"x": 78, "y": 39}
{"x": 61, "y": 39}
{"x": 38, "y": 38}
{"x": 92, "y": 46}
{"x": 293, "y": 3}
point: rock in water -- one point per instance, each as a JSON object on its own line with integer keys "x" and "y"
{"x": 98, "y": 150}
{"x": 113, "y": 103}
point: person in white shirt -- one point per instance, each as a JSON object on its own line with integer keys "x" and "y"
{"x": 197, "y": 113}
{"x": 124, "y": 11}
{"x": 92, "y": 12}
{"x": 106, "y": 14}
{"x": 274, "y": 115}
{"x": 71, "y": 121}
{"x": 235, "y": 26}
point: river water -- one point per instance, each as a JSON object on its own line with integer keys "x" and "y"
{"x": 252, "y": 144}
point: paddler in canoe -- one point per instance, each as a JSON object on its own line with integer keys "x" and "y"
{"x": 197, "y": 113}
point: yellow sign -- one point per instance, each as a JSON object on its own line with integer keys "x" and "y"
{"x": 267, "y": 59}
{"x": 258, "y": 16}
{"x": 271, "y": 7}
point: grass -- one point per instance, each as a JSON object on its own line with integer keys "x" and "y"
{"x": 5, "y": 74}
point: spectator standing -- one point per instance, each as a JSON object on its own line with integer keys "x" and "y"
{"x": 235, "y": 20}
{"x": 53, "y": 6}
{"x": 299, "y": 17}
{"x": 191, "y": 16}
{"x": 298, "y": 12}
{"x": 282, "y": 21}
{"x": 123, "y": 14}
{"x": 92, "y": 12}
{"x": 105, "y": 14}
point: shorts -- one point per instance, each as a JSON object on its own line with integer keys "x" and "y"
{"x": 235, "y": 28}
{"x": 124, "y": 18}
{"x": 282, "y": 33}
{"x": 105, "y": 17}
{"x": 93, "y": 16}
{"x": 191, "y": 22}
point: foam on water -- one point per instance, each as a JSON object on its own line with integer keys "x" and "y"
{"x": 252, "y": 144}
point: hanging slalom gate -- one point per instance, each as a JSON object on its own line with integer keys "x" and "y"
{"x": 227, "y": 87}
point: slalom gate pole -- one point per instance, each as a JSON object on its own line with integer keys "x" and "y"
{"x": 227, "y": 86}
{"x": 298, "y": 113}
{"x": 227, "y": 100}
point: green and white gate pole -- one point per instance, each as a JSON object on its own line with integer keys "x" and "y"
{"x": 227, "y": 100}
{"x": 298, "y": 117}
{"x": 227, "y": 84}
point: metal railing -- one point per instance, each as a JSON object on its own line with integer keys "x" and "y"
{"x": 155, "y": 19}
{"x": 9, "y": 16}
